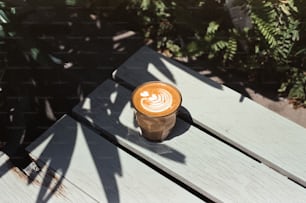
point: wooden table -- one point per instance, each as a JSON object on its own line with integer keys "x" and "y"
{"x": 224, "y": 147}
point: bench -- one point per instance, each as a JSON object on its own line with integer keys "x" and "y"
{"x": 224, "y": 147}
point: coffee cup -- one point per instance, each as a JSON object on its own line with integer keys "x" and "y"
{"x": 156, "y": 104}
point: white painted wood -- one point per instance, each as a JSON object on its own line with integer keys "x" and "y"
{"x": 206, "y": 164}
{"x": 15, "y": 186}
{"x": 101, "y": 169}
{"x": 265, "y": 135}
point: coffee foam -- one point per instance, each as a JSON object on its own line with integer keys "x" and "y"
{"x": 156, "y": 99}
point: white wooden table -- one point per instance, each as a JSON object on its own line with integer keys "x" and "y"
{"x": 103, "y": 171}
{"x": 45, "y": 186}
{"x": 230, "y": 150}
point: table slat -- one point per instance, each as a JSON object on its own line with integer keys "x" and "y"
{"x": 17, "y": 187}
{"x": 263, "y": 134}
{"x": 195, "y": 158}
{"x": 101, "y": 169}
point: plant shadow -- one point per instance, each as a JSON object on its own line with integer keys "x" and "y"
{"x": 83, "y": 159}
{"x": 55, "y": 56}
{"x": 108, "y": 109}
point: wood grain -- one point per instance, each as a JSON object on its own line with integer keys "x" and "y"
{"x": 101, "y": 169}
{"x": 195, "y": 158}
{"x": 274, "y": 140}
{"x": 17, "y": 187}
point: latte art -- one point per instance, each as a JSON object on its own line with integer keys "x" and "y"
{"x": 156, "y": 101}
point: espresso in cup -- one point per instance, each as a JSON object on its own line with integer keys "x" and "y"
{"x": 156, "y": 105}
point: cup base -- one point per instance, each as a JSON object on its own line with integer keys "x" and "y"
{"x": 156, "y": 128}
{"x": 157, "y": 136}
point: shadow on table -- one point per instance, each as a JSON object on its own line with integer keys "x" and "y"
{"x": 69, "y": 144}
{"x": 148, "y": 65}
{"x": 109, "y": 110}
{"x": 4, "y": 167}
{"x": 58, "y": 162}
{"x": 55, "y": 57}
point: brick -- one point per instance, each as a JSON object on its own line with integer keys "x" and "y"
{"x": 71, "y": 34}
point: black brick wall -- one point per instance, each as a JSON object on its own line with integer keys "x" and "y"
{"x": 34, "y": 93}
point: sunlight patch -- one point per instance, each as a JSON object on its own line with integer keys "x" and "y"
{"x": 123, "y": 36}
{"x": 49, "y": 111}
{"x": 87, "y": 104}
{"x": 90, "y": 120}
{"x": 113, "y": 97}
{"x": 158, "y": 74}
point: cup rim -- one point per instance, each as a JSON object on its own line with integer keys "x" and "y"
{"x": 157, "y": 81}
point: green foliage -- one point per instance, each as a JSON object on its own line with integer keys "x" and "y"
{"x": 278, "y": 26}
{"x": 295, "y": 86}
{"x": 70, "y": 2}
{"x": 244, "y": 34}
{"x": 5, "y": 14}
{"x": 271, "y": 41}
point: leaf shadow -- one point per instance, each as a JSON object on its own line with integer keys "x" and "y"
{"x": 74, "y": 153}
{"x": 108, "y": 109}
